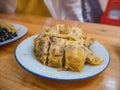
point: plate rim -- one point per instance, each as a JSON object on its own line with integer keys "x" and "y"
{"x": 51, "y": 78}
{"x": 7, "y": 42}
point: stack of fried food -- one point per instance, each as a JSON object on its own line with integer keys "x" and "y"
{"x": 65, "y": 47}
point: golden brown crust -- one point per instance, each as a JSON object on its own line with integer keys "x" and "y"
{"x": 41, "y": 45}
{"x": 65, "y": 47}
{"x": 74, "y": 56}
{"x": 56, "y": 52}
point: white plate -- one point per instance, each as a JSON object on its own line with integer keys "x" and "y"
{"x": 25, "y": 57}
{"x": 22, "y": 30}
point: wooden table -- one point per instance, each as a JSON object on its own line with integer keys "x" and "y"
{"x": 13, "y": 77}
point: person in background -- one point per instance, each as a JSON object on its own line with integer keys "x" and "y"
{"x": 80, "y": 10}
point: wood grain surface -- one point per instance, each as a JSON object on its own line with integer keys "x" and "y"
{"x": 14, "y": 77}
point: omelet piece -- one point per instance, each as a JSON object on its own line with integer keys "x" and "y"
{"x": 91, "y": 58}
{"x": 59, "y": 30}
{"x": 74, "y": 56}
{"x": 76, "y": 33}
{"x": 56, "y": 52}
{"x": 41, "y": 47}
{"x": 63, "y": 29}
{"x": 53, "y": 31}
{"x": 87, "y": 41}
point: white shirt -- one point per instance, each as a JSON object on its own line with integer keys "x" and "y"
{"x": 65, "y": 9}
{"x": 68, "y": 9}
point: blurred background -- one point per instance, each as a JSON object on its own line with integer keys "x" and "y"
{"x": 94, "y": 11}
